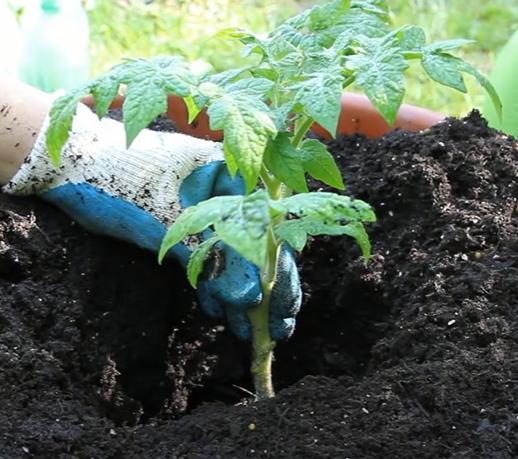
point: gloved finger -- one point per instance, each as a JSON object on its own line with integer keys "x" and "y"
{"x": 239, "y": 323}
{"x": 234, "y": 291}
{"x": 286, "y": 296}
{"x": 210, "y": 305}
{"x": 233, "y": 280}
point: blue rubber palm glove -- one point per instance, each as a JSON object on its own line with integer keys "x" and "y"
{"x": 134, "y": 194}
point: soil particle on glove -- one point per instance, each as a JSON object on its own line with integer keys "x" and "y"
{"x": 105, "y": 354}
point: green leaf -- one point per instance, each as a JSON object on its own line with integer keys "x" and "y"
{"x": 325, "y": 16}
{"x": 411, "y": 38}
{"x": 357, "y": 231}
{"x": 292, "y": 232}
{"x": 319, "y": 163}
{"x": 447, "y": 45}
{"x": 228, "y": 76}
{"x": 295, "y": 232}
{"x": 329, "y": 207}
{"x": 250, "y": 86}
{"x": 325, "y": 213}
{"x": 367, "y": 18}
{"x": 285, "y": 162}
{"x": 192, "y": 108}
{"x": 245, "y": 228}
{"x": 281, "y": 53}
{"x": 241, "y": 222}
{"x": 195, "y": 265}
{"x": 445, "y": 69}
{"x": 197, "y": 218}
{"x": 486, "y": 84}
{"x": 265, "y": 72}
{"x": 61, "y": 115}
{"x": 148, "y": 83}
{"x": 304, "y": 42}
{"x": 104, "y": 89}
{"x": 379, "y": 68}
{"x": 320, "y": 95}
{"x": 247, "y": 126}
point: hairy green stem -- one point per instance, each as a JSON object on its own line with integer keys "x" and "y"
{"x": 259, "y": 316}
{"x": 302, "y": 126}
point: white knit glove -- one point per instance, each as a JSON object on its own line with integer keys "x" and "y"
{"x": 134, "y": 194}
{"x": 149, "y": 174}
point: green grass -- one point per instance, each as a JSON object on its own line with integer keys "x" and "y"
{"x": 122, "y": 28}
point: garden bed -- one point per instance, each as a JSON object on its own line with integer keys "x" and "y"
{"x": 104, "y": 354}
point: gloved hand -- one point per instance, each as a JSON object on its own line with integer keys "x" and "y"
{"x": 134, "y": 194}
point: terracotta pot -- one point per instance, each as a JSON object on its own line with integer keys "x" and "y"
{"x": 358, "y": 115}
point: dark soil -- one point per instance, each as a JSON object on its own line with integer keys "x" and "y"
{"x": 104, "y": 354}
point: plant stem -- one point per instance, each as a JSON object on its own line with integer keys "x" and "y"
{"x": 302, "y": 126}
{"x": 260, "y": 319}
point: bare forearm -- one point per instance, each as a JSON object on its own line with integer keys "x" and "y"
{"x": 22, "y": 112}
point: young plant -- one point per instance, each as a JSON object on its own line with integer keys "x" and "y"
{"x": 265, "y": 111}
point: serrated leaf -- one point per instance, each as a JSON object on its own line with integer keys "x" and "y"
{"x": 329, "y": 207}
{"x": 366, "y": 18}
{"x": 148, "y": 83}
{"x": 285, "y": 162}
{"x": 445, "y": 69}
{"x": 104, "y": 89}
{"x": 253, "y": 43}
{"x": 278, "y": 48}
{"x": 230, "y": 33}
{"x": 136, "y": 114}
{"x": 245, "y": 228}
{"x": 61, "y": 115}
{"x": 247, "y": 126}
{"x": 357, "y": 231}
{"x": 325, "y": 213}
{"x": 292, "y": 233}
{"x": 319, "y": 163}
{"x": 196, "y": 219}
{"x": 228, "y": 76}
{"x": 486, "y": 84}
{"x": 379, "y": 68}
{"x": 327, "y": 15}
{"x": 197, "y": 258}
{"x": 295, "y": 232}
{"x": 250, "y": 86}
{"x": 448, "y": 45}
{"x": 281, "y": 115}
{"x": 264, "y": 72}
{"x": 320, "y": 95}
{"x": 411, "y": 38}
{"x": 301, "y": 40}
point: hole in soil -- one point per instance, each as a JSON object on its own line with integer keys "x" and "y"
{"x": 11, "y": 268}
{"x": 168, "y": 357}
{"x": 332, "y": 338}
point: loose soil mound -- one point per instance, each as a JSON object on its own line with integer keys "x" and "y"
{"x": 104, "y": 354}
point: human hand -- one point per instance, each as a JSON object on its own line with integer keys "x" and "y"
{"x": 134, "y": 194}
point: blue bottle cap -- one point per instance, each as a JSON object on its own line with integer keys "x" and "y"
{"x": 51, "y": 6}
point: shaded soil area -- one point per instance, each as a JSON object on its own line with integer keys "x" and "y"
{"x": 104, "y": 354}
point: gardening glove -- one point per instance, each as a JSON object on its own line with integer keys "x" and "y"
{"x": 135, "y": 194}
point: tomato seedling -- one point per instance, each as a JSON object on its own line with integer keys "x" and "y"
{"x": 265, "y": 111}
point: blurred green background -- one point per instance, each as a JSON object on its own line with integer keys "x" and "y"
{"x": 122, "y": 28}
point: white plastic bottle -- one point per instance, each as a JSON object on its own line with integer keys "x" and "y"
{"x": 9, "y": 41}
{"x": 55, "y": 45}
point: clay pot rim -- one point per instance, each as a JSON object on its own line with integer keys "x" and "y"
{"x": 357, "y": 115}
